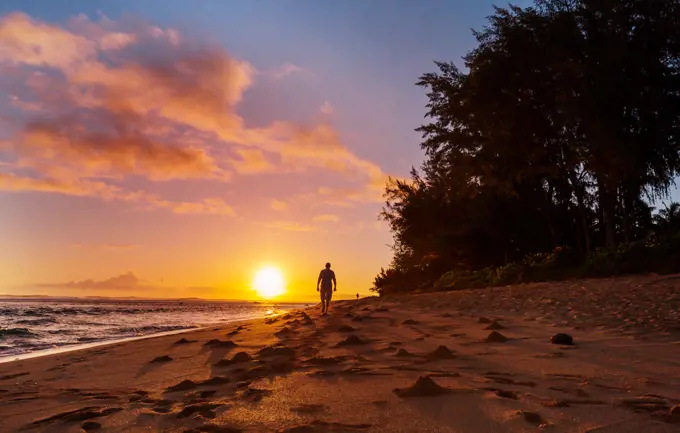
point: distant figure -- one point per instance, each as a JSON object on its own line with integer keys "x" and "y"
{"x": 357, "y": 296}
{"x": 328, "y": 286}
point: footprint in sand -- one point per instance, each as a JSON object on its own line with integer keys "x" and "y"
{"x": 239, "y": 358}
{"x": 409, "y": 322}
{"x": 323, "y": 426}
{"x": 284, "y": 332}
{"x": 274, "y": 352}
{"x": 205, "y": 410}
{"x": 352, "y": 340}
{"x": 531, "y": 417}
{"x": 89, "y": 426}
{"x": 255, "y": 394}
{"x": 508, "y": 381}
{"x": 319, "y": 360}
{"x": 645, "y": 404}
{"x": 484, "y": 320}
{"x": 511, "y": 395}
{"x": 82, "y": 414}
{"x": 182, "y": 341}
{"x": 214, "y": 428}
{"x": 346, "y": 328}
{"x": 309, "y": 408}
{"x": 160, "y": 359}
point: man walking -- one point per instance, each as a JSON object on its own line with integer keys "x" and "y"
{"x": 328, "y": 286}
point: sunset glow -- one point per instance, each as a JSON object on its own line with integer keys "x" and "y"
{"x": 269, "y": 283}
{"x": 148, "y": 149}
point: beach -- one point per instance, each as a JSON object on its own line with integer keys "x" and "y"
{"x": 466, "y": 361}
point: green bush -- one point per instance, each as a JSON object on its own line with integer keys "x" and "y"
{"x": 650, "y": 255}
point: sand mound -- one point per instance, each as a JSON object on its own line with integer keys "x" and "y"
{"x": 346, "y": 328}
{"x": 495, "y": 326}
{"x": 403, "y": 353}
{"x": 220, "y": 344}
{"x": 424, "y": 387}
{"x": 285, "y": 331}
{"x": 484, "y": 320}
{"x": 183, "y": 341}
{"x": 496, "y": 337}
{"x": 409, "y": 322}
{"x": 184, "y": 385}
{"x": 273, "y": 352}
{"x": 320, "y": 360}
{"x": 441, "y": 352}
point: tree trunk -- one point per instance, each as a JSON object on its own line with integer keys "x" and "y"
{"x": 607, "y": 202}
{"x": 546, "y": 212}
{"x": 580, "y": 200}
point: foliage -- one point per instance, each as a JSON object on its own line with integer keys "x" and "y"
{"x": 542, "y": 159}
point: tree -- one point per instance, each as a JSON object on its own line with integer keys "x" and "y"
{"x": 565, "y": 124}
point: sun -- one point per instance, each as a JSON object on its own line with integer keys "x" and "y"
{"x": 268, "y": 283}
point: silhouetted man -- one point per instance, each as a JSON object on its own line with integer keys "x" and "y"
{"x": 328, "y": 286}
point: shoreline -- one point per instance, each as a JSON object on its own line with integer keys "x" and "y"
{"x": 474, "y": 361}
{"x": 84, "y": 346}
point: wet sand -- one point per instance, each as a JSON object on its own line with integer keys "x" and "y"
{"x": 470, "y": 361}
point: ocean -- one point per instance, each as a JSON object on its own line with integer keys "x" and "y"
{"x": 31, "y": 325}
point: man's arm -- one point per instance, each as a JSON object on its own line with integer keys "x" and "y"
{"x": 335, "y": 283}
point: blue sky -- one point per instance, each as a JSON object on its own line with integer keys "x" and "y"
{"x": 230, "y": 206}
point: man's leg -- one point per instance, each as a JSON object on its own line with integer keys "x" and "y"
{"x": 323, "y": 301}
{"x": 329, "y": 295}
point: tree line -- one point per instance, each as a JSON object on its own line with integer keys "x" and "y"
{"x": 556, "y": 138}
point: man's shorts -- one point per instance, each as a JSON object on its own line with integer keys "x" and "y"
{"x": 326, "y": 294}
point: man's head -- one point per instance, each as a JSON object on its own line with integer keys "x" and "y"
{"x": 328, "y": 265}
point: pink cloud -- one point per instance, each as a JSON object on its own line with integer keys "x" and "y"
{"x": 103, "y": 100}
{"x": 326, "y": 218}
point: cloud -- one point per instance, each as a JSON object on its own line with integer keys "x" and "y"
{"x": 84, "y": 188}
{"x": 278, "y": 205}
{"x": 95, "y": 102}
{"x": 128, "y": 281}
{"x": 106, "y": 247}
{"x": 327, "y": 108}
{"x": 252, "y": 161}
{"x": 288, "y": 69}
{"x": 326, "y": 218}
{"x": 292, "y": 226}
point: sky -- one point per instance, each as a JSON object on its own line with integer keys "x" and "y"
{"x": 171, "y": 148}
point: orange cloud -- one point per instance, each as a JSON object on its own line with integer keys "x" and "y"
{"x": 278, "y": 205}
{"x": 327, "y": 218}
{"x": 85, "y": 188}
{"x": 291, "y": 226}
{"x": 128, "y": 281}
{"x": 106, "y": 247}
{"x": 251, "y": 161}
{"x": 85, "y": 120}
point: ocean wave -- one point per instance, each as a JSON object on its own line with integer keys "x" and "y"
{"x": 17, "y": 332}
{"x": 88, "y": 339}
{"x": 37, "y": 322}
{"x": 153, "y": 329}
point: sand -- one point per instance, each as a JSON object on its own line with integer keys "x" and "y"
{"x": 414, "y": 363}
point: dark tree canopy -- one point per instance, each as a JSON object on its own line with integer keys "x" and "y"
{"x": 564, "y": 128}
